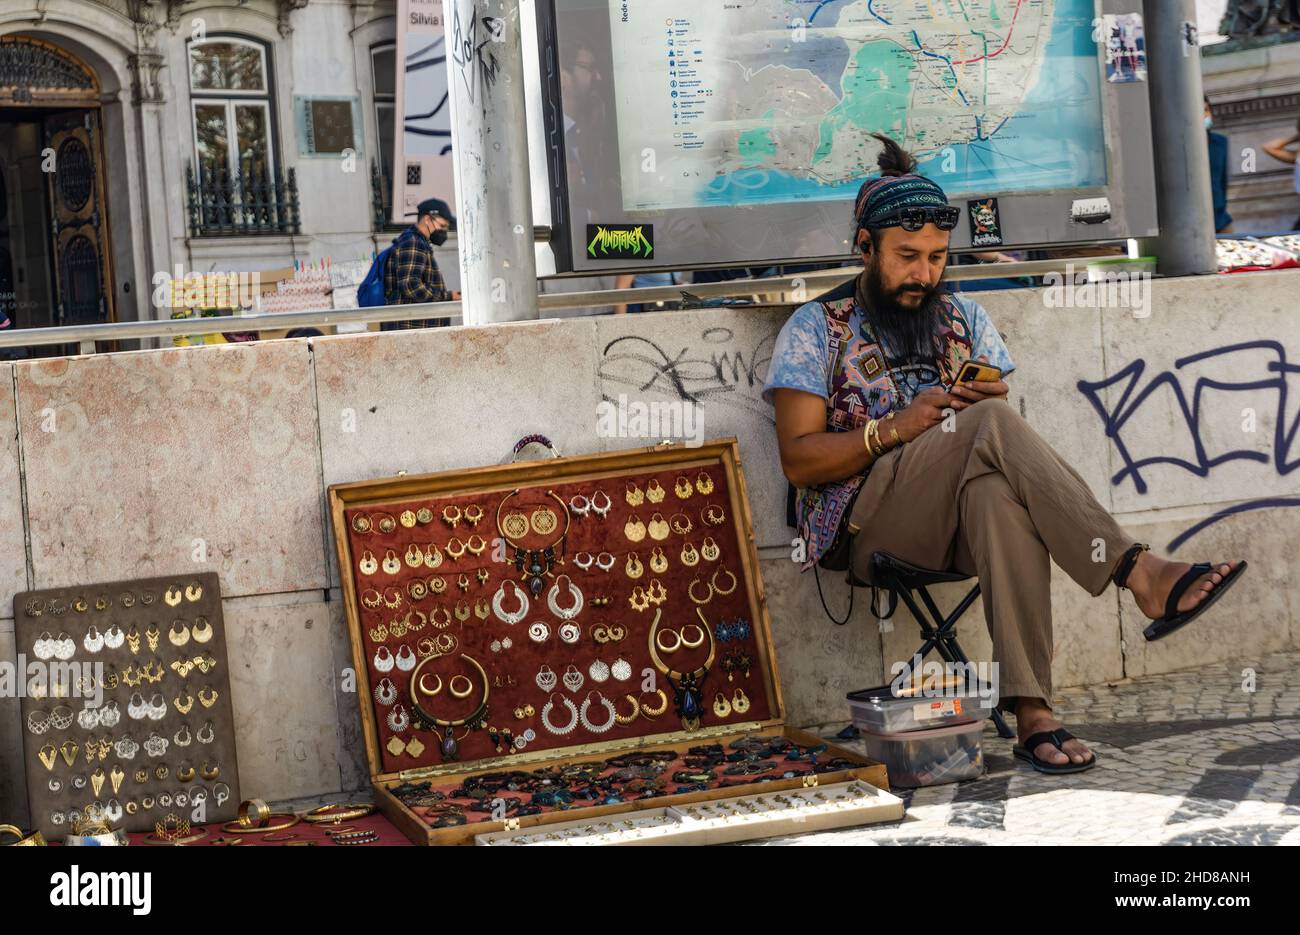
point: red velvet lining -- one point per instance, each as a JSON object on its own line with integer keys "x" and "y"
{"x": 524, "y": 659}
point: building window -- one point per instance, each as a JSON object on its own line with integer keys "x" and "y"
{"x": 383, "y": 73}
{"x": 239, "y": 186}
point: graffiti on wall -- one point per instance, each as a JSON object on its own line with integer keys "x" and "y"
{"x": 715, "y": 368}
{"x": 1133, "y": 394}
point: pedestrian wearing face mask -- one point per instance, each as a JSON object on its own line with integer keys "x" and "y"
{"x": 411, "y": 274}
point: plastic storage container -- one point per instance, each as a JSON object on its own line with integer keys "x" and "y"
{"x": 880, "y": 711}
{"x": 929, "y": 757}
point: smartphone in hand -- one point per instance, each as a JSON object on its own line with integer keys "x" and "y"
{"x": 975, "y": 370}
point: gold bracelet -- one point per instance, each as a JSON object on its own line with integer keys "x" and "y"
{"x": 335, "y": 814}
{"x": 190, "y": 839}
{"x": 233, "y": 827}
{"x": 873, "y": 442}
{"x": 866, "y": 435}
{"x": 251, "y": 808}
{"x": 893, "y": 431}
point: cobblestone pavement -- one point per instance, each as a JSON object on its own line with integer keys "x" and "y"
{"x": 1185, "y": 758}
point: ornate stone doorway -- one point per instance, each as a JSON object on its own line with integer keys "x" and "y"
{"x": 54, "y": 231}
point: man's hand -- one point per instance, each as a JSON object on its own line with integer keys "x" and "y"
{"x": 925, "y": 412}
{"x": 972, "y": 391}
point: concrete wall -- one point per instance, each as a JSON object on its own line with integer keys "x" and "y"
{"x": 239, "y": 443}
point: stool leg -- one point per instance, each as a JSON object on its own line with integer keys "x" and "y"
{"x": 1001, "y": 724}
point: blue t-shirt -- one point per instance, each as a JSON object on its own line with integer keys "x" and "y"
{"x": 801, "y": 355}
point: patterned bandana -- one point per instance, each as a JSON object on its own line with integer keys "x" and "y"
{"x": 880, "y": 197}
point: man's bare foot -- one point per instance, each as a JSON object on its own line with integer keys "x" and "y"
{"x": 1032, "y": 716}
{"x": 1153, "y": 578}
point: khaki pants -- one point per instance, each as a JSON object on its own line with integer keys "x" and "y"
{"x": 992, "y": 499}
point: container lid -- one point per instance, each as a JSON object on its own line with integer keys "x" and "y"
{"x": 909, "y": 692}
{"x": 926, "y": 733}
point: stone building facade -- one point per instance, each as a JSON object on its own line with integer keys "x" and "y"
{"x": 139, "y": 135}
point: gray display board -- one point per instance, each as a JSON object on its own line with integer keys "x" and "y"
{"x": 695, "y": 133}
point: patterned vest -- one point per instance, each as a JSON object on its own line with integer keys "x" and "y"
{"x": 860, "y": 386}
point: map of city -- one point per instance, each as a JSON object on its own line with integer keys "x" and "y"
{"x": 770, "y": 101}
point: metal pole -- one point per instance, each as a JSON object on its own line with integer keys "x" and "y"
{"x": 1185, "y": 244}
{"x": 498, "y": 273}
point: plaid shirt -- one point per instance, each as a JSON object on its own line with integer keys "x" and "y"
{"x": 412, "y": 276}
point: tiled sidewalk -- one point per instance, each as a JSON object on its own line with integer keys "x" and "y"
{"x": 1185, "y": 758}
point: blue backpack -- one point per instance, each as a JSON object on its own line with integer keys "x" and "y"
{"x": 370, "y": 293}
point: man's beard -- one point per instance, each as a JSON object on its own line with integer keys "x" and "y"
{"x": 908, "y": 335}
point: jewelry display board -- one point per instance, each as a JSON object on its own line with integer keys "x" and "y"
{"x": 125, "y": 709}
{"x": 522, "y": 616}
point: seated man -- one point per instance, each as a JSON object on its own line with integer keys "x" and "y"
{"x": 949, "y": 479}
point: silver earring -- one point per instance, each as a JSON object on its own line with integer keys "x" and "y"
{"x": 385, "y": 692}
{"x": 397, "y": 719}
{"x": 405, "y": 658}
{"x": 383, "y": 659}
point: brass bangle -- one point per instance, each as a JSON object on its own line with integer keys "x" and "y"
{"x": 866, "y": 436}
{"x": 893, "y": 431}
{"x": 335, "y": 814}
{"x": 233, "y": 827}
{"x": 254, "y": 809}
{"x": 280, "y": 838}
{"x": 24, "y": 840}
{"x": 177, "y": 841}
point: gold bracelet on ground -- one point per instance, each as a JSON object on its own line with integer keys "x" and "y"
{"x": 233, "y": 827}
{"x": 334, "y": 814}
{"x": 178, "y": 841}
{"x": 254, "y": 813}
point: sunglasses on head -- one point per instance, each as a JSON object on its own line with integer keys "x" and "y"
{"x": 913, "y": 219}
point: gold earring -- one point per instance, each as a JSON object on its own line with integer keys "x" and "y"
{"x": 469, "y": 686}
{"x": 658, "y": 527}
{"x": 544, "y": 521}
{"x": 210, "y": 772}
{"x": 654, "y": 492}
{"x": 634, "y": 529}
{"x": 690, "y": 591}
{"x": 368, "y": 564}
{"x": 178, "y": 637}
{"x": 455, "y": 549}
{"x": 414, "y": 556}
{"x": 740, "y": 701}
{"x": 704, "y": 483}
{"x": 432, "y": 556}
{"x": 710, "y": 549}
{"x": 451, "y": 515}
{"x": 515, "y": 525}
{"x": 634, "y": 568}
{"x": 658, "y": 560}
{"x": 184, "y": 706}
{"x": 657, "y": 593}
{"x": 683, "y": 488}
{"x": 476, "y": 549}
{"x": 463, "y": 582}
{"x": 634, "y": 495}
{"x": 407, "y": 519}
{"x": 713, "y": 581}
{"x": 690, "y": 557}
{"x": 639, "y": 600}
{"x": 207, "y": 696}
{"x": 462, "y": 611}
{"x": 721, "y": 706}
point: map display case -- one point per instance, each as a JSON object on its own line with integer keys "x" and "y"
{"x": 720, "y": 133}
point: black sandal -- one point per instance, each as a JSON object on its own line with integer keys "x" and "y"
{"x": 1056, "y": 738}
{"x": 1173, "y": 620}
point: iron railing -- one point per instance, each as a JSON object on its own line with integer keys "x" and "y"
{"x": 222, "y": 203}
